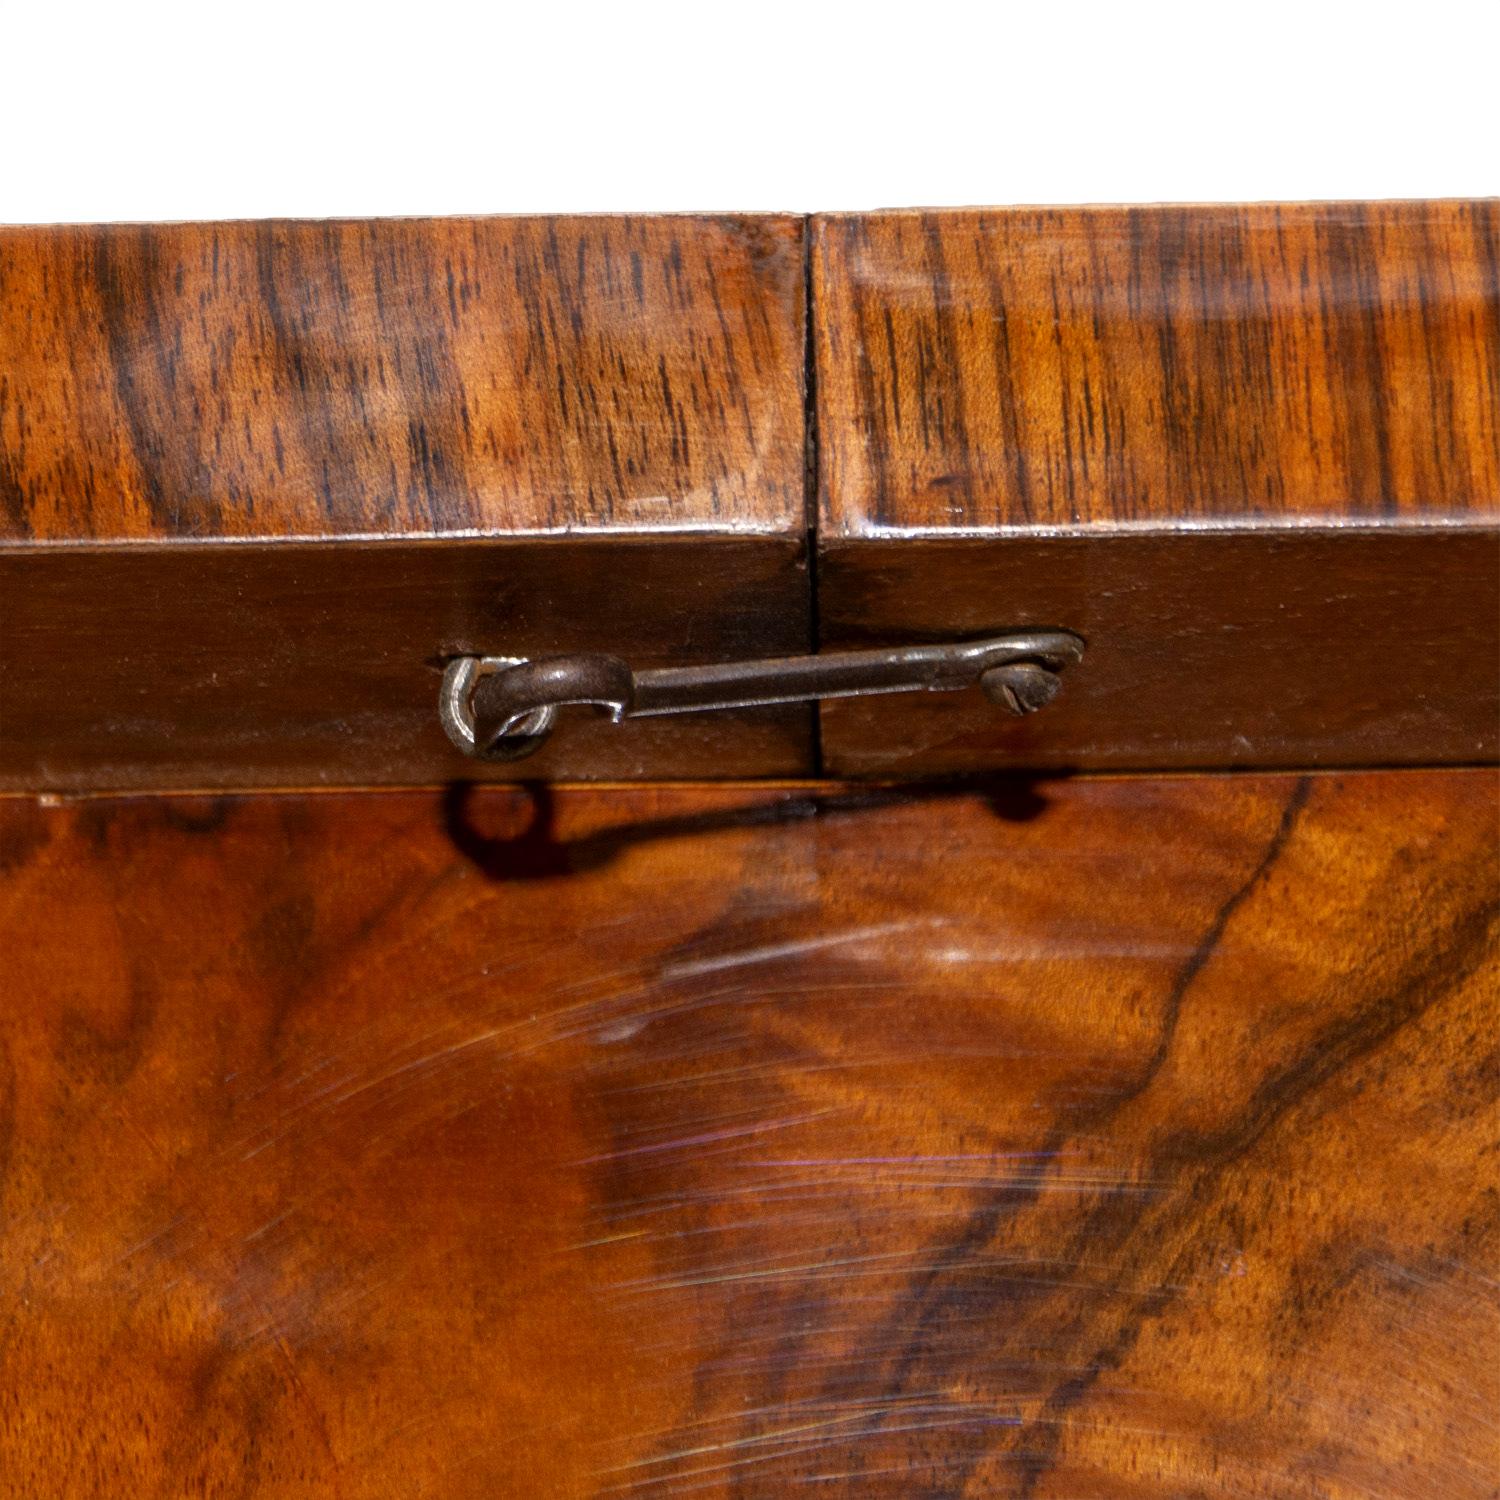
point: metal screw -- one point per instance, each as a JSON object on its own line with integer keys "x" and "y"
{"x": 1022, "y": 687}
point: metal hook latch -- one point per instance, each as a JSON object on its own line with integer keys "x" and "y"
{"x": 504, "y": 707}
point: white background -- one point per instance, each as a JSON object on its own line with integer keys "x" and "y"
{"x": 157, "y": 111}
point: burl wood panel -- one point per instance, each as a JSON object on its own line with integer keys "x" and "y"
{"x": 1201, "y": 365}
{"x": 257, "y": 480}
{"x": 401, "y": 377}
{"x": 1251, "y": 453}
{"x": 1117, "y": 1139}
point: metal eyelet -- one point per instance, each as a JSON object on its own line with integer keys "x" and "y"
{"x": 456, "y": 711}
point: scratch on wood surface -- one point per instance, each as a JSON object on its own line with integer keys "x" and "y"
{"x": 905, "y": 1182}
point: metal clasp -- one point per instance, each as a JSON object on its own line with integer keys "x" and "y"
{"x": 504, "y": 707}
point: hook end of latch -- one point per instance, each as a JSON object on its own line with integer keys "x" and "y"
{"x": 461, "y": 677}
{"x": 504, "y": 707}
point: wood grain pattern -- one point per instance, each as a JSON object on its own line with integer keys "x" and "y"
{"x": 1272, "y": 363}
{"x": 401, "y": 377}
{"x": 1117, "y": 1139}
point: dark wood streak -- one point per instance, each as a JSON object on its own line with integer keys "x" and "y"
{"x": 985, "y": 1220}
{"x": 1113, "y": 1138}
{"x": 1456, "y": 958}
{"x": 1209, "y": 943}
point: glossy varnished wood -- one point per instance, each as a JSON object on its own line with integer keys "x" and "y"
{"x": 1118, "y": 1139}
{"x": 258, "y": 480}
{"x": 1251, "y": 453}
{"x": 400, "y": 377}
{"x": 1030, "y": 368}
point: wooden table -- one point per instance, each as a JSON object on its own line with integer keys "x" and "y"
{"x": 881, "y": 1099}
